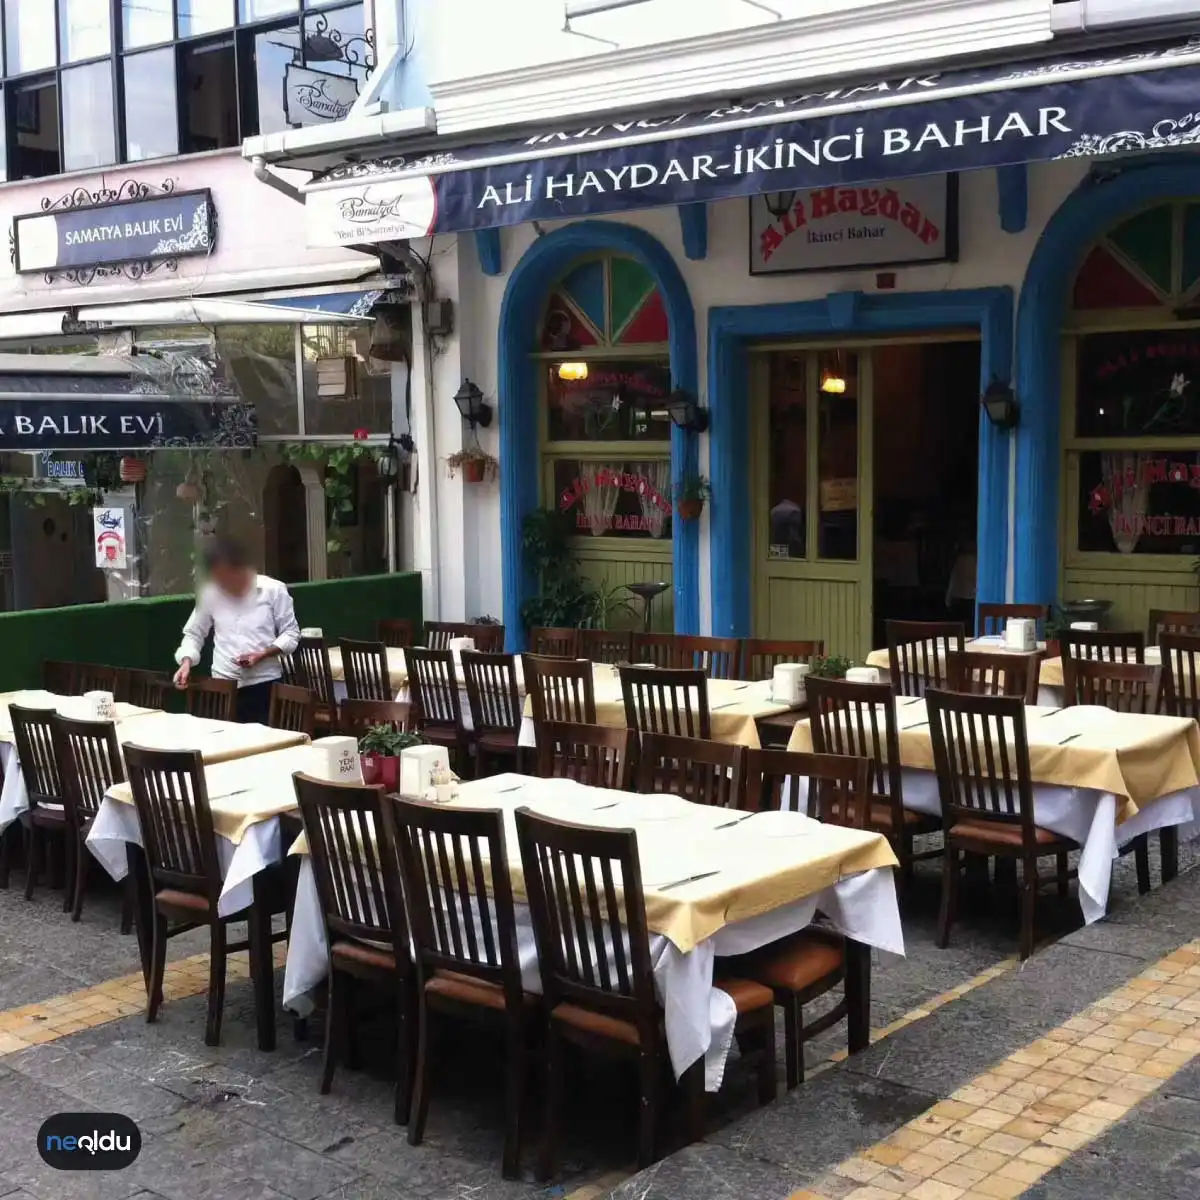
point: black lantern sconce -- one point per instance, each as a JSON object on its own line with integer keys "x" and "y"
{"x": 470, "y": 402}
{"x": 779, "y": 204}
{"x": 685, "y": 412}
{"x": 1001, "y": 405}
{"x": 388, "y": 462}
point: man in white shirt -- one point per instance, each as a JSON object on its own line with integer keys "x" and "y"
{"x": 252, "y": 622}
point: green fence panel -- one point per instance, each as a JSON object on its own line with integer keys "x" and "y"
{"x": 145, "y": 633}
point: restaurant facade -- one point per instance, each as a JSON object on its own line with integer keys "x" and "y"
{"x": 948, "y": 356}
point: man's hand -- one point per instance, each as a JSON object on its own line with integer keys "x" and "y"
{"x": 252, "y": 659}
{"x": 183, "y": 674}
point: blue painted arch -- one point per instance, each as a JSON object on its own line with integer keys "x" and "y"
{"x": 518, "y": 397}
{"x": 1100, "y": 202}
{"x": 731, "y": 330}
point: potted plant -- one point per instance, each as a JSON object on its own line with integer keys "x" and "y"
{"x": 380, "y": 749}
{"x": 690, "y": 494}
{"x": 829, "y": 666}
{"x": 476, "y": 465}
{"x": 1056, "y": 625}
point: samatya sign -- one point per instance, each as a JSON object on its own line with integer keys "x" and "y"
{"x": 148, "y": 230}
{"x": 875, "y": 224}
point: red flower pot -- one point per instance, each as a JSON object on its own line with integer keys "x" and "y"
{"x": 690, "y": 510}
{"x": 133, "y": 470}
{"x": 383, "y": 769}
{"x": 370, "y": 767}
{"x": 473, "y": 470}
{"x": 1053, "y": 650}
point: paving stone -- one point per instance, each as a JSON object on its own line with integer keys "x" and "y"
{"x": 712, "y": 1172}
{"x": 1171, "y": 1112}
{"x": 1135, "y": 941}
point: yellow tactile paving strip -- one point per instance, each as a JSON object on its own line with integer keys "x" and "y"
{"x": 47, "y": 1020}
{"x": 998, "y": 1135}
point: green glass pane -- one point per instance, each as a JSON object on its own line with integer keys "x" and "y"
{"x": 630, "y": 282}
{"x": 1191, "y": 246}
{"x": 1146, "y": 241}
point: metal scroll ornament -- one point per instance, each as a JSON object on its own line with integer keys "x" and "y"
{"x": 129, "y": 189}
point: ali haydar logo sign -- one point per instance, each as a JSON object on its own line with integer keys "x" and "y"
{"x": 371, "y": 212}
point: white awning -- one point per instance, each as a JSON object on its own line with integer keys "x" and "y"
{"x": 33, "y": 324}
{"x": 202, "y": 311}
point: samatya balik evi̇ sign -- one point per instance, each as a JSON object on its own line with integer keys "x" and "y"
{"x": 626, "y": 481}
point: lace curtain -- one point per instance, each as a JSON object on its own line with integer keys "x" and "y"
{"x": 599, "y": 503}
{"x": 658, "y": 475}
{"x": 1132, "y": 501}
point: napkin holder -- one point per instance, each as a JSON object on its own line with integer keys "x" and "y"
{"x": 418, "y": 764}
{"x": 1085, "y": 626}
{"x": 1020, "y": 633}
{"x": 787, "y": 683}
{"x": 336, "y": 759}
{"x": 462, "y": 643}
{"x": 100, "y": 705}
{"x": 313, "y": 631}
{"x": 862, "y": 675}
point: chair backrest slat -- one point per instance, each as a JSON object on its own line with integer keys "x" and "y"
{"x": 33, "y": 734}
{"x": 1181, "y": 674}
{"x": 365, "y": 668}
{"x": 89, "y": 763}
{"x": 760, "y": 656}
{"x": 1123, "y": 687}
{"x": 981, "y": 755}
{"x": 1097, "y": 645}
{"x": 666, "y": 701}
{"x": 358, "y": 716}
{"x": 292, "y": 708}
{"x": 584, "y": 887}
{"x": 310, "y": 667}
{"x": 839, "y": 786}
{"x": 145, "y": 689}
{"x": 96, "y": 677}
{"x": 718, "y": 658}
{"x": 918, "y": 652}
{"x": 214, "y": 699}
{"x": 553, "y": 642}
{"x": 488, "y": 639}
{"x": 433, "y": 687}
{"x": 492, "y": 693}
{"x": 559, "y": 689}
{"x": 612, "y": 646}
{"x": 705, "y": 772}
{"x": 597, "y": 755}
{"x": 992, "y": 618}
{"x": 396, "y": 632}
{"x": 999, "y": 674}
{"x": 1166, "y": 621}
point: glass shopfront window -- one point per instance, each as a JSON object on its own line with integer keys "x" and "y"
{"x": 618, "y": 498}
{"x": 787, "y": 449}
{"x": 345, "y": 390}
{"x": 608, "y": 401}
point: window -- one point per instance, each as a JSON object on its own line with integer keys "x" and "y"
{"x": 220, "y": 71}
{"x": 344, "y": 388}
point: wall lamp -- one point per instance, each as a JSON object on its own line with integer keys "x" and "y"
{"x": 1000, "y": 404}
{"x": 685, "y": 412}
{"x": 470, "y": 402}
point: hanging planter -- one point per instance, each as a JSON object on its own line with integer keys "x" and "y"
{"x": 477, "y": 466}
{"x": 133, "y": 470}
{"x": 690, "y": 494}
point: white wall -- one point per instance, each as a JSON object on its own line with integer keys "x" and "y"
{"x": 988, "y": 257}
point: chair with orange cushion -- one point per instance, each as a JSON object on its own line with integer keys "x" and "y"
{"x": 605, "y": 1002}
{"x": 981, "y": 755}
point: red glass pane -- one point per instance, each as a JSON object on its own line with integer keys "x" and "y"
{"x": 564, "y": 328}
{"x": 648, "y": 324}
{"x": 1103, "y": 282}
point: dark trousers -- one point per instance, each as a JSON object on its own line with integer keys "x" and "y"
{"x": 254, "y": 703}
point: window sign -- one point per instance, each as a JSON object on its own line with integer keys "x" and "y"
{"x": 1139, "y": 502}
{"x": 616, "y": 499}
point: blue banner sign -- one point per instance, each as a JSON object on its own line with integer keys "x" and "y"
{"x": 917, "y": 125}
{"x": 174, "y": 225}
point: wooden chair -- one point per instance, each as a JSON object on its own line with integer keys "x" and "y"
{"x": 666, "y": 701}
{"x": 859, "y": 720}
{"x": 465, "y": 936}
{"x": 1165, "y": 621}
{"x": 496, "y": 710}
{"x": 992, "y": 618}
{"x": 702, "y": 771}
{"x": 146, "y": 689}
{"x": 33, "y": 735}
{"x": 89, "y": 763}
{"x": 554, "y": 643}
{"x": 489, "y": 639}
{"x": 436, "y": 701}
{"x": 597, "y": 979}
{"x": 658, "y": 649}
{"x": 396, "y": 632}
{"x": 1181, "y": 674}
{"x": 718, "y": 658}
{"x": 800, "y": 968}
{"x": 58, "y": 677}
{"x": 1123, "y": 687}
{"x": 999, "y": 674}
{"x": 310, "y": 669}
{"x": 215, "y": 699}
{"x": 171, "y": 798}
{"x": 559, "y": 689}
{"x": 612, "y": 646}
{"x": 96, "y": 677}
{"x": 760, "y": 656}
{"x": 357, "y": 875}
{"x": 358, "y": 716}
{"x": 292, "y": 708}
{"x": 365, "y": 669}
{"x": 439, "y": 633}
{"x": 1104, "y": 645}
{"x": 918, "y": 652}
{"x": 981, "y": 754}
{"x": 597, "y": 755}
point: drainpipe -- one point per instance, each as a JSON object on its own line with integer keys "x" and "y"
{"x": 264, "y": 174}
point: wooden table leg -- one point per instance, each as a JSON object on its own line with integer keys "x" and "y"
{"x": 858, "y": 995}
{"x": 1168, "y": 846}
{"x": 143, "y": 906}
{"x": 262, "y": 964}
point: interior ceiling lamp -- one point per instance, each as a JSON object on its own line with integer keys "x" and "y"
{"x": 572, "y": 372}
{"x": 1000, "y": 404}
{"x": 470, "y": 402}
{"x": 833, "y": 382}
{"x": 685, "y": 412}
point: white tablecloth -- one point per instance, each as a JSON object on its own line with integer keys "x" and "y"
{"x": 699, "y": 1018}
{"x": 1086, "y": 816}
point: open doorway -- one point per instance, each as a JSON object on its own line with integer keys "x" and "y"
{"x": 926, "y": 412}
